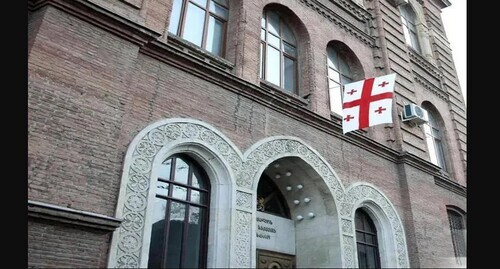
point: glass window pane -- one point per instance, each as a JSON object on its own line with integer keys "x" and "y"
{"x": 360, "y": 237}
{"x": 273, "y": 40}
{"x": 179, "y": 192}
{"x": 344, "y": 67}
{"x": 175, "y": 233}
{"x": 224, "y": 3}
{"x": 430, "y": 144}
{"x": 195, "y": 21}
{"x": 214, "y": 37}
{"x": 288, "y": 35}
{"x": 273, "y": 25}
{"x": 262, "y": 34}
{"x": 273, "y": 66}
{"x": 165, "y": 170}
{"x": 181, "y": 171}
{"x": 335, "y": 92}
{"x": 194, "y": 237}
{"x": 371, "y": 239}
{"x": 362, "y": 256}
{"x": 263, "y": 20}
{"x": 370, "y": 257}
{"x": 289, "y": 66}
{"x": 202, "y": 3}
{"x": 345, "y": 80}
{"x": 289, "y": 49}
{"x": 175, "y": 17}
{"x": 332, "y": 58}
{"x": 333, "y": 75}
{"x": 218, "y": 10}
{"x": 195, "y": 196}
{"x": 157, "y": 233}
{"x": 162, "y": 188}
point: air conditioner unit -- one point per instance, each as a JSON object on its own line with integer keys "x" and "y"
{"x": 414, "y": 113}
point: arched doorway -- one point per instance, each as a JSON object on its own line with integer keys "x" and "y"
{"x": 296, "y": 218}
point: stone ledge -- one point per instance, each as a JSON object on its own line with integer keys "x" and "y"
{"x": 72, "y": 216}
{"x": 452, "y": 186}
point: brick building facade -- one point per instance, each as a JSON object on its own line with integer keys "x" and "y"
{"x": 120, "y": 90}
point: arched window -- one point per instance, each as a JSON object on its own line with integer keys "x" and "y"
{"x": 457, "y": 228}
{"x": 201, "y": 22}
{"x": 180, "y": 215}
{"x": 270, "y": 199}
{"x": 408, "y": 17}
{"x": 367, "y": 242}
{"x": 278, "y": 52}
{"x": 339, "y": 74}
{"x": 433, "y": 137}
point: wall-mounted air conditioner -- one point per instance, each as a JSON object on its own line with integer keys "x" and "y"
{"x": 414, "y": 113}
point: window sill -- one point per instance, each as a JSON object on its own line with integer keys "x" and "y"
{"x": 199, "y": 53}
{"x": 282, "y": 94}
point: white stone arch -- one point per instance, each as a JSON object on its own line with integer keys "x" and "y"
{"x": 220, "y": 158}
{"x": 266, "y": 151}
{"x": 392, "y": 239}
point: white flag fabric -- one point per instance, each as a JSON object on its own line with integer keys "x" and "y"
{"x": 368, "y": 102}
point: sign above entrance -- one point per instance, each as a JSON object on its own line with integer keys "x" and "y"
{"x": 275, "y": 233}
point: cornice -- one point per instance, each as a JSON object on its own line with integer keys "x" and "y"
{"x": 72, "y": 216}
{"x": 430, "y": 68}
{"x": 341, "y": 22}
{"x": 354, "y": 9}
{"x": 435, "y": 90}
{"x": 442, "y": 3}
{"x": 100, "y": 17}
{"x": 452, "y": 186}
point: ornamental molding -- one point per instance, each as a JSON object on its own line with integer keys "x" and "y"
{"x": 343, "y": 23}
{"x": 429, "y": 86}
{"x": 425, "y": 65}
{"x": 362, "y": 194}
{"x": 152, "y": 144}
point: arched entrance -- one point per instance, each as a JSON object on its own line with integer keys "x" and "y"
{"x": 296, "y": 218}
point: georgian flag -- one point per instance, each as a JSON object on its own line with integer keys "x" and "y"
{"x": 368, "y": 102}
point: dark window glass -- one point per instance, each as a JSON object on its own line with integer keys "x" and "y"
{"x": 366, "y": 239}
{"x": 201, "y": 22}
{"x": 278, "y": 52}
{"x": 270, "y": 199}
{"x": 457, "y": 229}
{"x": 180, "y": 216}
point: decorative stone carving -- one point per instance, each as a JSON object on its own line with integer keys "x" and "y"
{"x": 128, "y": 238}
{"x": 360, "y": 193}
{"x": 347, "y": 226}
{"x": 244, "y": 200}
{"x": 137, "y": 181}
{"x": 242, "y": 252}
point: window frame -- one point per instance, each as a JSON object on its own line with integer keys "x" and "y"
{"x": 193, "y": 169}
{"x": 409, "y": 21}
{"x": 283, "y": 54}
{"x": 454, "y": 232}
{"x": 435, "y": 135}
{"x": 367, "y": 220}
{"x": 207, "y": 13}
{"x": 341, "y": 74}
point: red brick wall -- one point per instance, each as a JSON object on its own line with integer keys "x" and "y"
{"x": 90, "y": 92}
{"x": 56, "y": 245}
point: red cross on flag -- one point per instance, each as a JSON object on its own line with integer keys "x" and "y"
{"x": 368, "y": 102}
